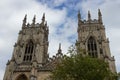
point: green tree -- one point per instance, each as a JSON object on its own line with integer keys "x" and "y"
{"x": 79, "y": 67}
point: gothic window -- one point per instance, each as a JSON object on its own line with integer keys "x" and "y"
{"x": 92, "y": 47}
{"x": 22, "y": 77}
{"x": 28, "y": 51}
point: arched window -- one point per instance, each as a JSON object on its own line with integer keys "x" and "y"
{"x": 22, "y": 77}
{"x": 92, "y": 47}
{"x": 28, "y": 51}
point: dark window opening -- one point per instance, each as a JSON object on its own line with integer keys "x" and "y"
{"x": 92, "y": 47}
{"x": 28, "y": 51}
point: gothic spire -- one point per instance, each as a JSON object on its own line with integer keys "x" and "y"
{"x": 43, "y": 18}
{"x": 99, "y": 12}
{"x": 24, "y": 21}
{"x": 33, "y": 21}
{"x": 99, "y": 16}
{"x": 79, "y": 15}
{"x": 89, "y": 16}
{"x": 59, "y": 46}
{"x": 25, "y": 18}
{"x": 59, "y": 50}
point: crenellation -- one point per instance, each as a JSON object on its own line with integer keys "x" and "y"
{"x": 95, "y": 21}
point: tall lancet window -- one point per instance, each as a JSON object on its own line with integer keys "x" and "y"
{"x": 92, "y": 47}
{"x": 28, "y": 51}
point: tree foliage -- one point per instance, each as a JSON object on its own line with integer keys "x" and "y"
{"x": 79, "y": 67}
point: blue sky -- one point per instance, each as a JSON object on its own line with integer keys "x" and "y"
{"x": 61, "y": 16}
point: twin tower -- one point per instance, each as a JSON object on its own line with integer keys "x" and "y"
{"x": 30, "y": 59}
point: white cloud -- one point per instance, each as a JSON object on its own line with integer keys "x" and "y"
{"x": 58, "y": 2}
{"x": 13, "y": 11}
{"x": 12, "y": 14}
{"x": 68, "y": 29}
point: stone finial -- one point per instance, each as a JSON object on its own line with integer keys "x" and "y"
{"x": 33, "y": 21}
{"x": 89, "y": 16}
{"x": 79, "y": 15}
{"x": 59, "y": 50}
{"x": 99, "y": 12}
{"x": 24, "y": 21}
{"x": 99, "y": 16}
{"x": 59, "y": 46}
{"x": 43, "y": 18}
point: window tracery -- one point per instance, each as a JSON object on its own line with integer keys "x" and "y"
{"x": 92, "y": 47}
{"x": 28, "y": 51}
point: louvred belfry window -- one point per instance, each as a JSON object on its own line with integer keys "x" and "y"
{"x": 92, "y": 47}
{"x": 28, "y": 51}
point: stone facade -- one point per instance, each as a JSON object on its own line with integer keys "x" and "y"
{"x": 30, "y": 59}
{"x": 92, "y": 38}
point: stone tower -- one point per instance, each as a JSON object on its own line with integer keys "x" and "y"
{"x": 92, "y": 38}
{"x": 30, "y": 52}
{"x": 30, "y": 59}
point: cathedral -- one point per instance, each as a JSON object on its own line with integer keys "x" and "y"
{"x": 30, "y": 59}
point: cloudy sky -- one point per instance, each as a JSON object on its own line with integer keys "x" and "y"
{"x": 61, "y": 16}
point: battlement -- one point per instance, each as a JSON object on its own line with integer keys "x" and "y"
{"x": 43, "y": 23}
{"x": 89, "y": 20}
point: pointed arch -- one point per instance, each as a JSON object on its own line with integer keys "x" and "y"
{"x": 22, "y": 77}
{"x": 28, "y": 51}
{"x": 92, "y": 47}
{"x": 91, "y": 34}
